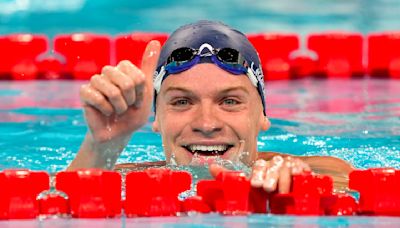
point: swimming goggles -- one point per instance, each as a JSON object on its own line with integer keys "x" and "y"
{"x": 184, "y": 58}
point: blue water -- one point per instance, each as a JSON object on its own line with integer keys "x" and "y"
{"x": 42, "y": 126}
{"x": 121, "y": 16}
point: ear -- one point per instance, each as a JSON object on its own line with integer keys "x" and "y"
{"x": 264, "y": 123}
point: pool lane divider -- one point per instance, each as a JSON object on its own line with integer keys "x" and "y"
{"x": 96, "y": 193}
{"x": 322, "y": 55}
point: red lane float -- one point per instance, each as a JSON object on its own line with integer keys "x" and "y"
{"x": 18, "y": 55}
{"x": 154, "y": 192}
{"x": 50, "y": 68}
{"x": 85, "y": 54}
{"x": 339, "y": 54}
{"x": 93, "y": 193}
{"x": 379, "y": 190}
{"x": 222, "y": 195}
{"x": 131, "y": 46}
{"x": 54, "y": 204}
{"x": 18, "y": 192}
{"x": 195, "y": 204}
{"x": 274, "y": 50}
{"x": 81, "y": 55}
{"x": 312, "y": 195}
{"x": 384, "y": 54}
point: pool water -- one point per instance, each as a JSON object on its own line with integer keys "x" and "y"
{"x": 358, "y": 120}
{"x": 42, "y": 124}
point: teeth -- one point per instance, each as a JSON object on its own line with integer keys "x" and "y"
{"x": 207, "y": 148}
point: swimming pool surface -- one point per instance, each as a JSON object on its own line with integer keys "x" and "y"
{"x": 42, "y": 124}
{"x": 358, "y": 120}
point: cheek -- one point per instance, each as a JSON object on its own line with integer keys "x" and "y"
{"x": 171, "y": 127}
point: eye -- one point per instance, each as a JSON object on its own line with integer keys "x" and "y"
{"x": 230, "y": 101}
{"x": 180, "y": 102}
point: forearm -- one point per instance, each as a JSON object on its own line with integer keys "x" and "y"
{"x": 98, "y": 155}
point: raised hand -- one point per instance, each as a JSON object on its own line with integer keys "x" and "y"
{"x": 118, "y": 101}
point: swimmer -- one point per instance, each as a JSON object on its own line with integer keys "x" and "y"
{"x": 207, "y": 88}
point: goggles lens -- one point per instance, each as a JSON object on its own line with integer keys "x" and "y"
{"x": 180, "y": 56}
{"x": 183, "y": 58}
{"x": 228, "y": 55}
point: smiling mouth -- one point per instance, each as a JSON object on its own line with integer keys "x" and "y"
{"x": 215, "y": 150}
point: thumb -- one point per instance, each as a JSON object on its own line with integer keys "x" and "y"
{"x": 215, "y": 170}
{"x": 149, "y": 60}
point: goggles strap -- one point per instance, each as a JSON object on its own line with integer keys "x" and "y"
{"x": 158, "y": 79}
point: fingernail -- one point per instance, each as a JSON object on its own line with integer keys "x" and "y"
{"x": 277, "y": 160}
{"x": 296, "y": 170}
{"x": 255, "y": 182}
{"x": 151, "y": 53}
{"x": 269, "y": 184}
{"x": 260, "y": 164}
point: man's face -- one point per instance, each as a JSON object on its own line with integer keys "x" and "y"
{"x": 206, "y": 112}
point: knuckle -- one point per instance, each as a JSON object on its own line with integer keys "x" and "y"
{"x": 98, "y": 100}
{"x": 289, "y": 158}
{"x": 125, "y": 63}
{"x": 114, "y": 94}
{"x": 106, "y": 69}
{"x": 127, "y": 86}
{"x": 278, "y": 160}
{"x": 95, "y": 78}
{"x": 123, "y": 109}
{"x": 83, "y": 89}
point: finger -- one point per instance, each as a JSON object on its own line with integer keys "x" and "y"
{"x": 298, "y": 167}
{"x": 285, "y": 176}
{"x": 306, "y": 167}
{"x": 149, "y": 62}
{"x": 110, "y": 91}
{"x": 258, "y": 173}
{"x": 125, "y": 83}
{"x": 92, "y": 97}
{"x": 215, "y": 170}
{"x": 272, "y": 174}
{"x": 138, "y": 78}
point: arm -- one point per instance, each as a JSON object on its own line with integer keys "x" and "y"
{"x": 116, "y": 103}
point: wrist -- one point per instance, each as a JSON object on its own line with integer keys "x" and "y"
{"x": 95, "y": 154}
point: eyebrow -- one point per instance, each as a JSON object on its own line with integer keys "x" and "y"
{"x": 174, "y": 88}
{"x": 180, "y": 89}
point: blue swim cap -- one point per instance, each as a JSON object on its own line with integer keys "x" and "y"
{"x": 217, "y": 36}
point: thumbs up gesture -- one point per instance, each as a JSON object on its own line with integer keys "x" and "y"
{"x": 118, "y": 101}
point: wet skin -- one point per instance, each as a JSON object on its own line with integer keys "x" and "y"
{"x": 200, "y": 110}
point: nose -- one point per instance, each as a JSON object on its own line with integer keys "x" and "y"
{"x": 206, "y": 122}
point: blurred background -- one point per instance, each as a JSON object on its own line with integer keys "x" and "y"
{"x": 123, "y": 16}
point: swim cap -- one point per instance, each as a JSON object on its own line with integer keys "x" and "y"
{"x": 216, "y": 36}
